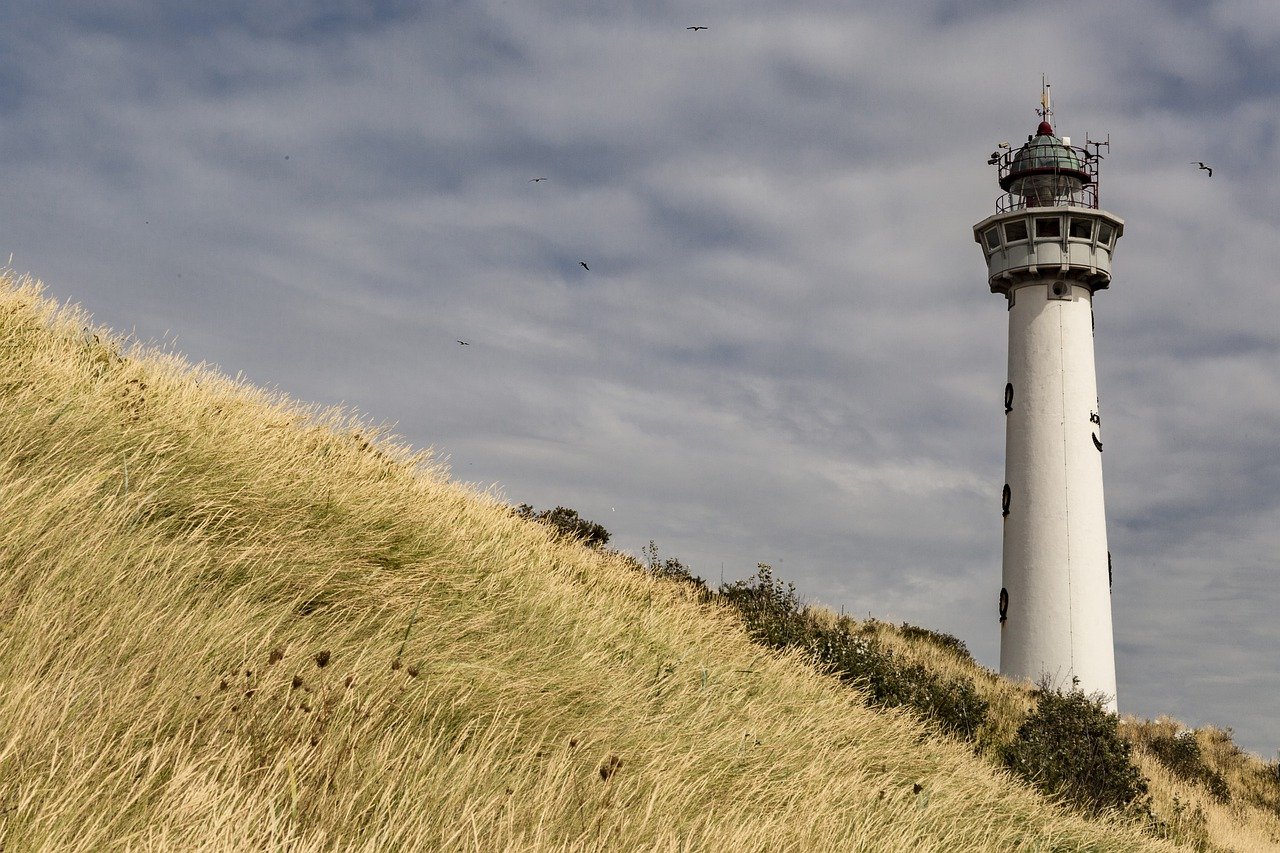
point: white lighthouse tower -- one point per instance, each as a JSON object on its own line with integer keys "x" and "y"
{"x": 1048, "y": 249}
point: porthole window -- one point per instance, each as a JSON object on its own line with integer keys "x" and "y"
{"x": 1015, "y": 230}
{"x": 1004, "y": 605}
{"x": 992, "y": 236}
{"x": 1004, "y": 501}
{"x": 1105, "y": 232}
{"x": 1081, "y": 229}
{"x": 1048, "y": 226}
{"x": 1008, "y": 397}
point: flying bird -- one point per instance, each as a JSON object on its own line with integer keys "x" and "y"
{"x": 535, "y": 180}
{"x": 583, "y": 264}
{"x": 464, "y": 343}
{"x": 695, "y": 29}
{"x": 1201, "y": 164}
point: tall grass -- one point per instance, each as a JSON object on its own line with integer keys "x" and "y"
{"x": 228, "y": 621}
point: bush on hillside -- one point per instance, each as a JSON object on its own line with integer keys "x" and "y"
{"x": 1180, "y": 752}
{"x": 1185, "y": 823}
{"x": 568, "y": 524}
{"x": 775, "y": 617}
{"x": 936, "y": 638}
{"x": 952, "y": 703}
{"x": 1251, "y": 780}
{"x": 671, "y": 568}
{"x": 1070, "y": 747}
{"x": 770, "y": 609}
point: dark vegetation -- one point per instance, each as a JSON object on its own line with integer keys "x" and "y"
{"x": 775, "y": 617}
{"x": 1180, "y": 752}
{"x": 568, "y": 524}
{"x": 1069, "y": 745}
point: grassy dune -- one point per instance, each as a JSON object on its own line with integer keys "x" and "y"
{"x": 1243, "y": 817}
{"x": 231, "y": 622}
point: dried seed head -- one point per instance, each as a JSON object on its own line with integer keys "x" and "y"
{"x": 611, "y": 766}
{"x": 297, "y": 682}
{"x": 351, "y": 679}
{"x": 573, "y": 742}
{"x": 277, "y": 655}
{"x": 322, "y": 659}
{"x": 222, "y": 685}
{"x": 412, "y": 670}
{"x": 395, "y": 664}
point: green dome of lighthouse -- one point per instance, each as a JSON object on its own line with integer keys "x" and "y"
{"x": 1045, "y": 169}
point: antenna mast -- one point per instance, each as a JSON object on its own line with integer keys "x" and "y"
{"x": 1046, "y": 109}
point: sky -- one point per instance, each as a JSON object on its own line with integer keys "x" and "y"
{"x": 784, "y": 350}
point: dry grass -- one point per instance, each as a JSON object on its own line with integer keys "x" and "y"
{"x": 230, "y": 622}
{"x": 1248, "y": 821}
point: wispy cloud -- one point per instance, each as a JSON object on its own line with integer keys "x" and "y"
{"x": 784, "y": 350}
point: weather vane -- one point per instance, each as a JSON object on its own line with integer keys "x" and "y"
{"x": 1045, "y": 109}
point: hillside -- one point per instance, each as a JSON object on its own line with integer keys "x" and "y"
{"x": 228, "y": 621}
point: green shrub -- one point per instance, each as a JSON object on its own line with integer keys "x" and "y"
{"x": 770, "y": 609}
{"x": 937, "y": 638}
{"x": 1070, "y": 747}
{"x": 671, "y": 568}
{"x": 775, "y": 617}
{"x": 952, "y": 703}
{"x": 568, "y": 524}
{"x": 1180, "y": 752}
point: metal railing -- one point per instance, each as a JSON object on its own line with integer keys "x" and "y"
{"x": 1050, "y": 161}
{"x": 1086, "y": 196}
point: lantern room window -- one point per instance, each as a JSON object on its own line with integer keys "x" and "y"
{"x": 992, "y": 236}
{"x": 1105, "y": 233}
{"x": 1081, "y": 229}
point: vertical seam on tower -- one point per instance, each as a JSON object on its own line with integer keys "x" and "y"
{"x": 1066, "y": 490}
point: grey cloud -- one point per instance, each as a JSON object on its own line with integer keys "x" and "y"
{"x": 784, "y": 351}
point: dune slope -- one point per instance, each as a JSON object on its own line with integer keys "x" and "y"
{"x": 228, "y": 621}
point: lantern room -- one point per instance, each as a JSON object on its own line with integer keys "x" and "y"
{"x": 1047, "y": 171}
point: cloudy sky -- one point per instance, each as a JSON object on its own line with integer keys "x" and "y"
{"x": 784, "y": 350}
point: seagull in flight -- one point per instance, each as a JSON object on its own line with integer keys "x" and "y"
{"x": 695, "y": 29}
{"x": 464, "y": 343}
{"x": 536, "y": 180}
{"x": 1201, "y": 164}
{"x": 583, "y": 264}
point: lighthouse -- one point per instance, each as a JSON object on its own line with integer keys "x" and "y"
{"x": 1048, "y": 248}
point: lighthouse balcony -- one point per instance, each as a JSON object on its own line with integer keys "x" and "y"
{"x": 1060, "y": 193}
{"x": 1039, "y": 242}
